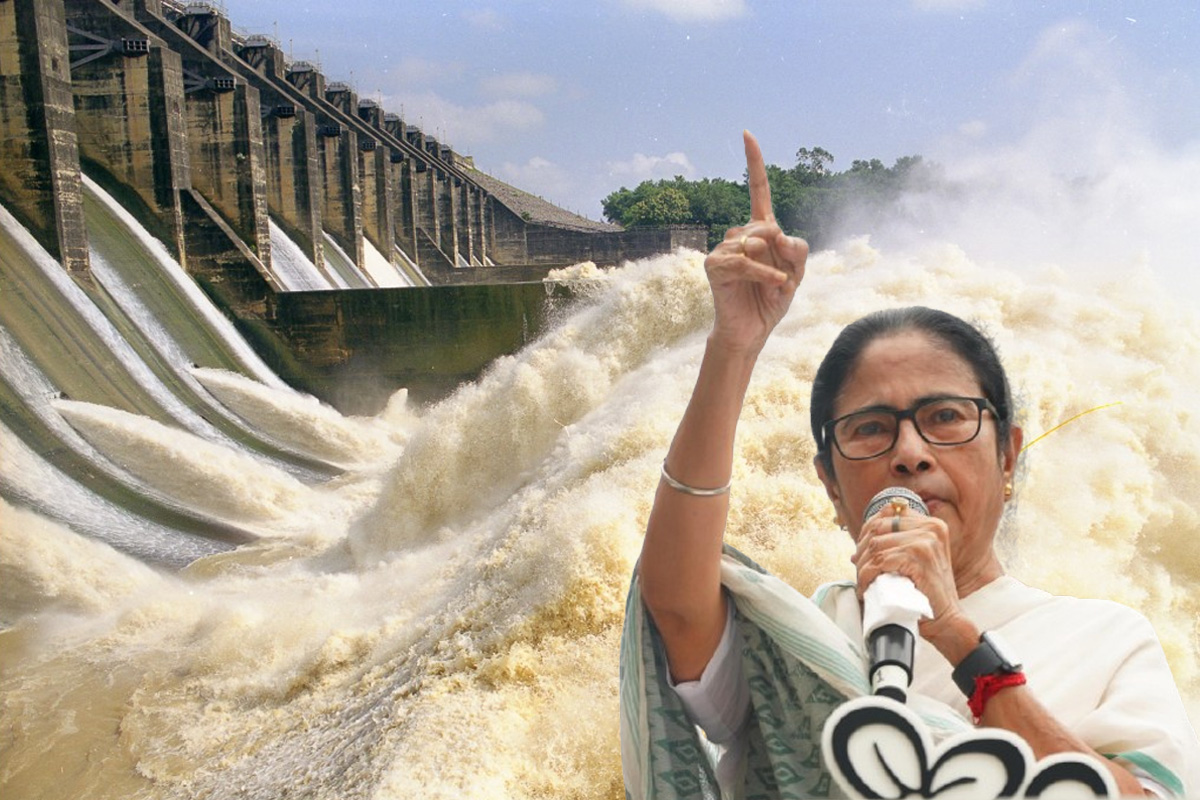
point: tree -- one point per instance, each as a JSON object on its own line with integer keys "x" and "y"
{"x": 813, "y": 163}
{"x": 719, "y": 204}
{"x": 873, "y": 166}
{"x": 617, "y": 204}
{"x": 667, "y": 206}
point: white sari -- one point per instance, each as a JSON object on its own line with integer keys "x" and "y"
{"x": 1097, "y": 666}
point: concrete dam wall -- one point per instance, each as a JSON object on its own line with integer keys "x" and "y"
{"x": 350, "y": 247}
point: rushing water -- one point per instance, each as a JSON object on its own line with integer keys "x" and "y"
{"x": 441, "y": 619}
{"x": 293, "y": 269}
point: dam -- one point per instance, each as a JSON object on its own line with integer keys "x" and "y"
{"x": 354, "y": 251}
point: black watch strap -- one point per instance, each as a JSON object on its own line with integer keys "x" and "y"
{"x": 987, "y": 658}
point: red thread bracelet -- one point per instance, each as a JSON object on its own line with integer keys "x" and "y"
{"x": 986, "y": 687}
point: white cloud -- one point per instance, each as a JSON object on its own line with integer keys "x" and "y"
{"x": 518, "y": 84}
{"x": 693, "y": 10}
{"x": 538, "y": 176}
{"x": 643, "y": 167}
{"x": 464, "y": 126}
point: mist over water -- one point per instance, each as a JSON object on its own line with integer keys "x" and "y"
{"x": 1124, "y": 213}
{"x": 1078, "y": 164}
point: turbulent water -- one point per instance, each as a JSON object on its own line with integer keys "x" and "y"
{"x": 442, "y": 619}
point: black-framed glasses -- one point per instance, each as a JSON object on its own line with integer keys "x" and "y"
{"x": 941, "y": 421}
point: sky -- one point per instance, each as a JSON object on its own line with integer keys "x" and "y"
{"x": 573, "y": 100}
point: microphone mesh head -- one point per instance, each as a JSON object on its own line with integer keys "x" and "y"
{"x": 891, "y": 493}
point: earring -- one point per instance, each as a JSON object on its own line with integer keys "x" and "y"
{"x": 1008, "y": 491}
{"x": 838, "y": 521}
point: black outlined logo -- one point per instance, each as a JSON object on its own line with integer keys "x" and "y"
{"x": 877, "y": 749}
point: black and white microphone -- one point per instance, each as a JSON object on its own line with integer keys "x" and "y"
{"x": 892, "y": 607}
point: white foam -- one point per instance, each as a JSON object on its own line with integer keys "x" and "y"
{"x": 305, "y": 424}
{"x": 210, "y": 477}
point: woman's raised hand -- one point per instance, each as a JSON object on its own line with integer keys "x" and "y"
{"x": 755, "y": 271}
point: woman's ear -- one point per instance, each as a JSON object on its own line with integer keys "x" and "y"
{"x": 1011, "y": 452}
{"x": 832, "y": 490}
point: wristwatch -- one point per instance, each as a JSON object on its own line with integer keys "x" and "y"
{"x": 990, "y": 657}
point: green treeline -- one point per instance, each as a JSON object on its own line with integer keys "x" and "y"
{"x": 809, "y": 198}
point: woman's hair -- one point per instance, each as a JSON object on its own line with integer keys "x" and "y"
{"x": 966, "y": 341}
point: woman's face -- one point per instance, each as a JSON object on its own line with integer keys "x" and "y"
{"x": 962, "y": 484}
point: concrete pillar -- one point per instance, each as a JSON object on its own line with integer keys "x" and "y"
{"x": 405, "y": 204}
{"x": 252, "y": 170}
{"x": 404, "y": 189}
{"x": 371, "y": 113}
{"x": 479, "y": 229}
{"x": 39, "y": 154}
{"x": 379, "y": 217}
{"x": 445, "y": 191}
{"x": 294, "y": 192}
{"x": 425, "y": 211}
{"x": 489, "y": 230}
{"x": 462, "y": 216}
{"x": 264, "y": 57}
{"x": 129, "y": 101}
{"x": 377, "y": 172}
{"x": 342, "y": 97}
{"x": 225, "y": 140}
{"x": 306, "y": 79}
{"x": 205, "y": 27}
{"x": 342, "y": 214}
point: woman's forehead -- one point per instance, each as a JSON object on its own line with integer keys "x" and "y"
{"x": 901, "y": 368}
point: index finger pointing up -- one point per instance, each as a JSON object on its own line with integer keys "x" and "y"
{"x": 756, "y": 171}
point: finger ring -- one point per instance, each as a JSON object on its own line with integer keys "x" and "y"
{"x": 895, "y": 524}
{"x": 742, "y": 242}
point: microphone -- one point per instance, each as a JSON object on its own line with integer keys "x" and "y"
{"x": 892, "y": 607}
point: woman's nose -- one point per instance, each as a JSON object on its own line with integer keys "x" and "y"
{"x": 911, "y": 453}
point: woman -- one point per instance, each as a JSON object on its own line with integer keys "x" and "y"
{"x": 915, "y": 399}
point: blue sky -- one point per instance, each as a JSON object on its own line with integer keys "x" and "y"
{"x": 571, "y": 100}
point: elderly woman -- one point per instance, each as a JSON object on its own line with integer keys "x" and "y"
{"x": 916, "y": 399}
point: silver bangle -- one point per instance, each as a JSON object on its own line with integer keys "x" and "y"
{"x": 692, "y": 490}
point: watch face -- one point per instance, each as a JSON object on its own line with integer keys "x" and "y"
{"x": 1002, "y": 649}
